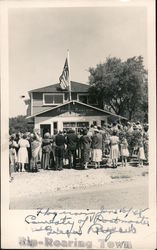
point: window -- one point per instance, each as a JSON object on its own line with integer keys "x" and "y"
{"x": 69, "y": 124}
{"x": 82, "y": 124}
{"x": 77, "y": 126}
{"x": 50, "y": 99}
{"x": 58, "y": 98}
{"x": 74, "y": 96}
{"x": 83, "y": 98}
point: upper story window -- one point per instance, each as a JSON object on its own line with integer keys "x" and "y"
{"x": 51, "y": 99}
{"x": 85, "y": 98}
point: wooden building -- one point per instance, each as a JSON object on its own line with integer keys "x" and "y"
{"x": 50, "y": 110}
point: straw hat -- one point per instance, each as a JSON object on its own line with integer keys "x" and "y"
{"x": 47, "y": 135}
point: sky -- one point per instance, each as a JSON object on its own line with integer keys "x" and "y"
{"x": 39, "y": 39}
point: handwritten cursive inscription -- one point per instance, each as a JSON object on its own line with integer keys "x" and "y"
{"x": 104, "y": 222}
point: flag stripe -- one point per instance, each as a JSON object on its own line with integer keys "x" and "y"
{"x": 64, "y": 78}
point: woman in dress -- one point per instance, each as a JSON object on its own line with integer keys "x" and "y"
{"x": 85, "y": 142}
{"x": 46, "y": 151}
{"x": 97, "y": 148}
{"x": 35, "y": 152}
{"x": 23, "y": 153}
{"x": 114, "y": 151}
{"x": 141, "y": 155}
{"x": 146, "y": 143}
{"x": 12, "y": 155}
{"x": 124, "y": 150}
{"x": 106, "y": 141}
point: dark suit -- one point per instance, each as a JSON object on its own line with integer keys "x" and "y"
{"x": 72, "y": 142}
{"x": 59, "y": 151}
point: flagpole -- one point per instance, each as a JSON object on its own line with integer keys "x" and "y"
{"x": 69, "y": 76}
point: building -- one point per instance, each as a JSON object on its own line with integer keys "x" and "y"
{"x": 50, "y": 110}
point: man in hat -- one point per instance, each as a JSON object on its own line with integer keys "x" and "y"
{"x": 59, "y": 150}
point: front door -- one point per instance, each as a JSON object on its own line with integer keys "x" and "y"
{"x": 44, "y": 128}
{"x": 55, "y": 128}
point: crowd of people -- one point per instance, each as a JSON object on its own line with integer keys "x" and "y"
{"x": 110, "y": 144}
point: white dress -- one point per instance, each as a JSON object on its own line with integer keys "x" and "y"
{"x": 141, "y": 154}
{"x": 97, "y": 155}
{"x": 23, "y": 153}
{"x": 114, "y": 151}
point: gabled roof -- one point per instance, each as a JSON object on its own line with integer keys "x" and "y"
{"x": 74, "y": 101}
{"x": 75, "y": 87}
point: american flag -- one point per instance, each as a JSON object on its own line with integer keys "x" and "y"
{"x": 64, "y": 78}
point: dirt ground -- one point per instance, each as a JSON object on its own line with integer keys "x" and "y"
{"x": 80, "y": 189}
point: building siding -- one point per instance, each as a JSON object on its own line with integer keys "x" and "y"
{"x": 76, "y": 109}
{"x": 28, "y": 112}
{"x": 50, "y": 120}
{"x": 37, "y": 103}
{"x": 40, "y": 109}
{"x": 37, "y": 99}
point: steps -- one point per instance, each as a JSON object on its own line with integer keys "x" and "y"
{"x": 134, "y": 161}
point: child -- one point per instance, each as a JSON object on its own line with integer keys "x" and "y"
{"x": 124, "y": 151}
